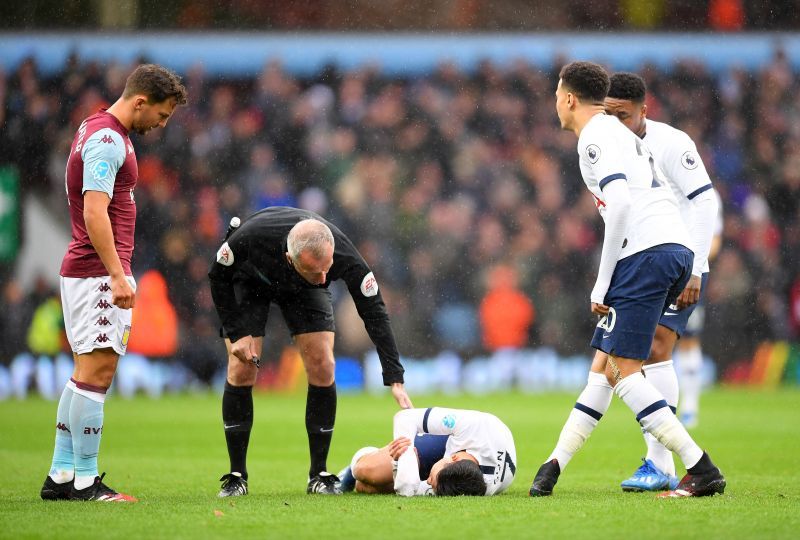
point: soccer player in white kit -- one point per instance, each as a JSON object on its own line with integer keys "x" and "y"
{"x": 645, "y": 265}
{"x": 438, "y": 451}
{"x": 676, "y": 156}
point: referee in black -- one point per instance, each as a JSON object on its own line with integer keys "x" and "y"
{"x": 289, "y": 257}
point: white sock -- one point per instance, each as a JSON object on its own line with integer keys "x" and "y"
{"x": 690, "y": 362}
{"x": 592, "y": 404}
{"x": 83, "y": 482}
{"x": 653, "y": 413}
{"x": 664, "y": 379}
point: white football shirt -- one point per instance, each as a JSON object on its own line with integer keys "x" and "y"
{"x": 676, "y": 155}
{"x": 482, "y": 435}
{"x": 610, "y": 152}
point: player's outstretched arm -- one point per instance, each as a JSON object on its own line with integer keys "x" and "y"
{"x": 400, "y": 395}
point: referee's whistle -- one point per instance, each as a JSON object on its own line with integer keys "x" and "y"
{"x": 232, "y": 226}
{"x": 256, "y": 361}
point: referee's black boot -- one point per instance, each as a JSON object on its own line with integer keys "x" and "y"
{"x": 233, "y": 485}
{"x": 324, "y": 483}
{"x": 545, "y": 479}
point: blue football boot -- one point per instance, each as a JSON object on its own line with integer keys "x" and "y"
{"x": 649, "y": 478}
{"x": 347, "y": 482}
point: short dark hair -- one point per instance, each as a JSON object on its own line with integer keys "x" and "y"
{"x": 587, "y": 80}
{"x": 157, "y": 83}
{"x": 630, "y": 86}
{"x": 462, "y": 477}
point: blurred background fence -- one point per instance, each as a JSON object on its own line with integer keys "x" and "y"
{"x": 438, "y": 153}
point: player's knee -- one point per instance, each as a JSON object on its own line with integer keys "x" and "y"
{"x": 241, "y": 374}
{"x": 321, "y": 368}
{"x": 659, "y": 351}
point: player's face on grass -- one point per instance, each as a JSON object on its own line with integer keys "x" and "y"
{"x": 629, "y": 113}
{"x": 564, "y": 101}
{"x": 147, "y": 116}
{"x": 444, "y": 462}
{"x": 314, "y": 270}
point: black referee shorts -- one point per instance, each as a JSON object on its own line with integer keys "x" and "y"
{"x": 304, "y": 310}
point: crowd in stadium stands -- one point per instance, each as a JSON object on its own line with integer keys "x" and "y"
{"x": 458, "y": 188}
{"x": 412, "y": 15}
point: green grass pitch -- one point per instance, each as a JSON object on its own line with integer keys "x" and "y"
{"x": 170, "y": 453}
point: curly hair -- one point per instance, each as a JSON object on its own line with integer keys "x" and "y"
{"x": 629, "y": 86}
{"x": 462, "y": 477}
{"x": 587, "y": 80}
{"x": 157, "y": 83}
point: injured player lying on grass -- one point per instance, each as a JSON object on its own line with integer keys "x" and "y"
{"x": 437, "y": 451}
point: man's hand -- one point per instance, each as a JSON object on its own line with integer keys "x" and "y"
{"x": 399, "y": 393}
{"x": 691, "y": 294}
{"x": 599, "y": 309}
{"x": 122, "y": 294}
{"x": 244, "y": 349}
{"x": 398, "y": 447}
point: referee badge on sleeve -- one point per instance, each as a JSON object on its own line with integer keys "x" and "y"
{"x": 369, "y": 285}
{"x": 225, "y": 255}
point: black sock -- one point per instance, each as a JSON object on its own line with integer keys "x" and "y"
{"x": 320, "y": 418}
{"x": 702, "y": 466}
{"x": 237, "y": 419}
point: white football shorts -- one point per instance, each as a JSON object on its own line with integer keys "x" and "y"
{"x": 90, "y": 319}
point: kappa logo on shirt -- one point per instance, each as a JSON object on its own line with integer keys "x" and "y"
{"x": 130, "y": 148}
{"x": 103, "y": 321}
{"x": 108, "y": 140}
{"x": 101, "y": 338}
{"x": 104, "y": 287}
{"x": 103, "y": 304}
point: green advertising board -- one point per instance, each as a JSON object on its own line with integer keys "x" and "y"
{"x": 9, "y": 214}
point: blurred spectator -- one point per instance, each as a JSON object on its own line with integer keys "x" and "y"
{"x": 506, "y": 314}
{"x": 154, "y": 322}
{"x": 438, "y": 179}
{"x": 15, "y": 319}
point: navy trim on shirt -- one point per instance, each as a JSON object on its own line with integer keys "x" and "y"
{"x": 611, "y": 178}
{"x": 698, "y": 191}
{"x": 425, "y": 419}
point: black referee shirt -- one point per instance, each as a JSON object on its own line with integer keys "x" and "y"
{"x": 256, "y": 250}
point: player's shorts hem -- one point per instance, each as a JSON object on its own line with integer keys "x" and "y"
{"x": 89, "y": 350}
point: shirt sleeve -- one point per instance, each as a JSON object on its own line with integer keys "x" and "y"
{"x": 618, "y": 203}
{"x": 686, "y": 169}
{"x": 602, "y": 155}
{"x": 706, "y": 210}
{"x": 103, "y": 154}
{"x": 231, "y": 256}
{"x": 366, "y": 295}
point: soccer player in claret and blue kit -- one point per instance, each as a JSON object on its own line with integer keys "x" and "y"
{"x": 644, "y": 266}
{"x": 98, "y": 291}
